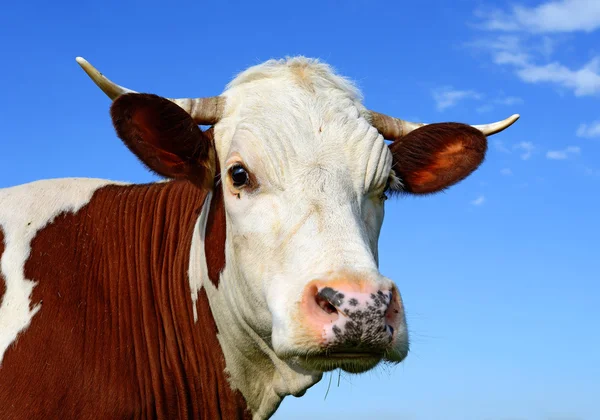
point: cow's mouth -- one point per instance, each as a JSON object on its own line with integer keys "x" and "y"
{"x": 352, "y": 362}
{"x": 361, "y": 355}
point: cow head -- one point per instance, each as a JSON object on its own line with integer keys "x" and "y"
{"x": 303, "y": 173}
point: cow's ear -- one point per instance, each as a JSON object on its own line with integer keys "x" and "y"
{"x": 164, "y": 137}
{"x": 436, "y": 156}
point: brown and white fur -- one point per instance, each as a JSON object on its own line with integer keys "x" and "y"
{"x": 200, "y": 298}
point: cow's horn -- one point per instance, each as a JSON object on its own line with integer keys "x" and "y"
{"x": 394, "y": 128}
{"x": 206, "y": 111}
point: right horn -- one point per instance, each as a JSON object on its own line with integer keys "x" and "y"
{"x": 204, "y": 111}
{"x": 394, "y": 128}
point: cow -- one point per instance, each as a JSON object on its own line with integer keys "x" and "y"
{"x": 241, "y": 278}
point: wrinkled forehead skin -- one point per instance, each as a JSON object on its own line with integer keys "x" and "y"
{"x": 294, "y": 119}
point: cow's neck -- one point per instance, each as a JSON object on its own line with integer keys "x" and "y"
{"x": 253, "y": 367}
{"x": 186, "y": 369}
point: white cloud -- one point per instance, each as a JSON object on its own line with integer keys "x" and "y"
{"x": 589, "y": 130}
{"x": 447, "y": 97}
{"x": 505, "y": 49}
{"x": 478, "y": 201}
{"x": 550, "y": 17}
{"x": 563, "y": 154}
{"x": 585, "y": 81}
{"x": 510, "y": 51}
{"x": 506, "y": 171}
{"x": 526, "y": 147}
{"x": 518, "y": 59}
{"x": 528, "y": 52}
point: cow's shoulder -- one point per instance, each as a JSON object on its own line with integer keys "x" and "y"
{"x": 24, "y": 211}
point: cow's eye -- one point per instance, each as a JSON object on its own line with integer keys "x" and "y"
{"x": 239, "y": 176}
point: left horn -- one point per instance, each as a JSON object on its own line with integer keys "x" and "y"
{"x": 206, "y": 111}
{"x": 394, "y": 128}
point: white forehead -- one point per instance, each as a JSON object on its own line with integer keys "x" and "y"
{"x": 299, "y": 111}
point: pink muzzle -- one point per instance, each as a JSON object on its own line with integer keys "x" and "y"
{"x": 352, "y": 316}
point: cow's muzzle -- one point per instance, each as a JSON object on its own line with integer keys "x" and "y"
{"x": 355, "y": 319}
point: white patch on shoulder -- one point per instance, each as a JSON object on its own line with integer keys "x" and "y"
{"x": 198, "y": 269}
{"x": 24, "y": 210}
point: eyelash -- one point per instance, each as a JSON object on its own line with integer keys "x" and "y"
{"x": 384, "y": 196}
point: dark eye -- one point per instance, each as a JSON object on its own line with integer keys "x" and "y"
{"x": 239, "y": 176}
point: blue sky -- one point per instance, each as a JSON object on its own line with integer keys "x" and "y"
{"x": 500, "y": 275}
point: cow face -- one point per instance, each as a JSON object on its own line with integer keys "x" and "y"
{"x": 303, "y": 180}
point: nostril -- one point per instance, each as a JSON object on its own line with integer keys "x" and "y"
{"x": 394, "y": 314}
{"x": 325, "y": 304}
{"x": 332, "y": 296}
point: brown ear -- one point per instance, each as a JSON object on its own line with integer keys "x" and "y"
{"x": 164, "y": 137}
{"x": 436, "y": 156}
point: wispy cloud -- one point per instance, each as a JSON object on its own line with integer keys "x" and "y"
{"x": 589, "y": 130}
{"x": 506, "y": 171}
{"x": 447, "y": 97}
{"x": 526, "y": 148}
{"x": 525, "y": 39}
{"x": 563, "y": 154}
{"x": 584, "y": 81}
{"x": 478, "y": 201}
{"x": 549, "y": 17}
{"x": 509, "y": 50}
